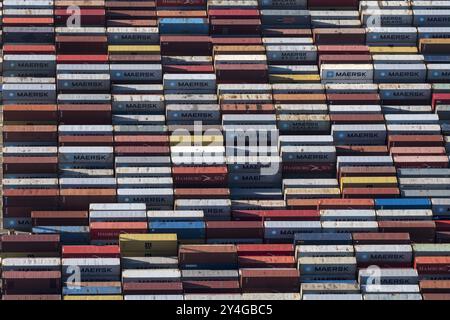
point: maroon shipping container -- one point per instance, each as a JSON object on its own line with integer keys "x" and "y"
{"x": 364, "y": 171}
{"x": 30, "y": 243}
{"x": 135, "y": 288}
{"x": 18, "y": 165}
{"x": 435, "y": 286}
{"x": 436, "y": 296}
{"x": 234, "y": 229}
{"x": 265, "y": 250}
{"x": 202, "y": 193}
{"x": 85, "y": 140}
{"x": 412, "y": 151}
{"x": 443, "y": 236}
{"x": 73, "y": 114}
{"x": 233, "y": 13}
{"x": 343, "y": 49}
{"x": 419, "y": 231}
{"x": 141, "y": 140}
{"x": 266, "y": 262}
{"x": 59, "y": 218}
{"x": 200, "y": 176}
{"x": 31, "y": 297}
{"x": 80, "y": 199}
{"x": 242, "y": 73}
{"x": 236, "y": 40}
{"x": 30, "y": 197}
{"x": 81, "y": 44}
{"x": 334, "y": 36}
{"x": 309, "y": 168}
{"x": 212, "y": 286}
{"x": 235, "y": 26}
{"x": 345, "y": 4}
{"x": 186, "y": 45}
{"x": 89, "y": 17}
{"x": 343, "y": 59}
{"x": 361, "y": 151}
{"x": 188, "y": 69}
{"x": 30, "y": 133}
{"x": 276, "y": 215}
{"x": 381, "y": 238}
{"x": 364, "y": 193}
{"x": 136, "y": 151}
{"x": 198, "y": 255}
{"x": 415, "y": 141}
{"x": 286, "y": 32}
{"x": 270, "y": 280}
{"x": 22, "y": 212}
{"x": 354, "y": 99}
{"x": 356, "y": 118}
{"x": 30, "y": 113}
{"x": 31, "y": 282}
{"x": 112, "y": 230}
{"x": 323, "y": 204}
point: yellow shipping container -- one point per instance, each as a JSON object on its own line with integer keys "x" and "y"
{"x": 151, "y": 49}
{"x": 112, "y": 297}
{"x": 293, "y": 78}
{"x": 165, "y": 244}
{"x": 367, "y": 182}
{"x": 393, "y": 50}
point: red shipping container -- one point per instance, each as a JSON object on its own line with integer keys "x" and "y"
{"x": 112, "y": 230}
{"x": 432, "y": 265}
{"x": 90, "y": 251}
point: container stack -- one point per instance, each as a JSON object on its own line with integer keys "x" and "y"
{"x": 150, "y": 267}
{"x": 91, "y": 272}
{"x": 222, "y": 149}
{"x": 30, "y": 139}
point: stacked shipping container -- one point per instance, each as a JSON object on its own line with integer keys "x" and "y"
{"x": 225, "y": 149}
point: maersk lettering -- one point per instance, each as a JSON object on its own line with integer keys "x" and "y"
{"x": 362, "y": 135}
{"x": 404, "y": 74}
{"x": 139, "y": 74}
{"x": 351, "y": 74}
{"x": 191, "y": 84}
{"x": 32, "y": 94}
{"x": 90, "y": 157}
